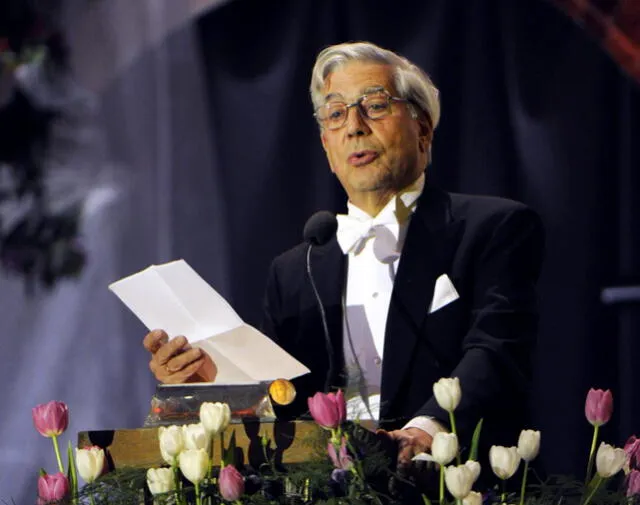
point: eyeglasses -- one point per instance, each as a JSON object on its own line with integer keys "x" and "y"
{"x": 333, "y": 115}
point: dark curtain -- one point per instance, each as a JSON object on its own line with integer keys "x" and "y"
{"x": 533, "y": 109}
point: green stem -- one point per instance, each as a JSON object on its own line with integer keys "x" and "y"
{"x": 211, "y": 454}
{"x": 198, "y": 500}
{"x": 54, "y": 439}
{"x": 222, "y": 454}
{"x": 524, "y": 482}
{"x": 441, "y": 500}
{"x": 452, "y": 421}
{"x": 597, "y": 481}
{"x": 176, "y": 479}
{"x": 91, "y": 499}
{"x": 503, "y": 496}
{"x": 592, "y": 453}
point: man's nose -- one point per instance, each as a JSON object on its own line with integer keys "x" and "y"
{"x": 356, "y": 123}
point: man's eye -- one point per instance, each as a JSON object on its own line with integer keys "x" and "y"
{"x": 335, "y": 114}
{"x": 377, "y": 106}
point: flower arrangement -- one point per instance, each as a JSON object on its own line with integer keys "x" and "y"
{"x": 345, "y": 473}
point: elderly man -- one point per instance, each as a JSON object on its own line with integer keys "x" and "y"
{"x": 418, "y": 284}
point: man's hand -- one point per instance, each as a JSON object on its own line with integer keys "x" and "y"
{"x": 175, "y": 361}
{"x": 411, "y": 441}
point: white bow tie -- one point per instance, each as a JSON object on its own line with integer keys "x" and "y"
{"x": 353, "y": 233}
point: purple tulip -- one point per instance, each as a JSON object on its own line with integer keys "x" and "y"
{"x": 50, "y": 419}
{"x": 52, "y": 487}
{"x": 341, "y": 458}
{"x": 632, "y": 448}
{"x": 633, "y": 483}
{"x": 598, "y": 407}
{"x": 328, "y": 410}
{"x": 231, "y": 483}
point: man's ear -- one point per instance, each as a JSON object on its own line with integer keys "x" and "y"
{"x": 425, "y": 134}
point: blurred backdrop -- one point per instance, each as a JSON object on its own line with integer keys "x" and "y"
{"x": 195, "y": 139}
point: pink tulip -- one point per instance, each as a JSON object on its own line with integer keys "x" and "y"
{"x": 328, "y": 410}
{"x": 50, "y": 419}
{"x": 231, "y": 483}
{"x": 632, "y": 448}
{"x": 633, "y": 483}
{"x": 341, "y": 459}
{"x": 598, "y": 407}
{"x": 52, "y": 487}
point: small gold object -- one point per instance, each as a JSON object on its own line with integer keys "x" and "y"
{"x": 282, "y": 391}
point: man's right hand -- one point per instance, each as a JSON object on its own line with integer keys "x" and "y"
{"x": 175, "y": 361}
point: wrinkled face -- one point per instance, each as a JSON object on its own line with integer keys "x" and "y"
{"x": 373, "y": 155}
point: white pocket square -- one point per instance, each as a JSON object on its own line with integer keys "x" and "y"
{"x": 443, "y": 294}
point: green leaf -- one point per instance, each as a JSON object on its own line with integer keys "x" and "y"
{"x": 72, "y": 477}
{"x": 42, "y": 472}
{"x": 475, "y": 440}
{"x": 426, "y": 500}
{"x": 229, "y": 453}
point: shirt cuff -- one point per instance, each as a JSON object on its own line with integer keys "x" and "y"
{"x": 427, "y": 424}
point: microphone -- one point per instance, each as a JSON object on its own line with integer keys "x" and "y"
{"x": 318, "y": 230}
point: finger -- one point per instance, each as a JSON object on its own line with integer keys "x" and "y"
{"x": 154, "y": 340}
{"x": 170, "y": 349}
{"x": 182, "y": 360}
{"x": 187, "y": 372}
{"x": 405, "y": 454}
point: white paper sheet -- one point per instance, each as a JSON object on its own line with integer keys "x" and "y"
{"x": 175, "y": 298}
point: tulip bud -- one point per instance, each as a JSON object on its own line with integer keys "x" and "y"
{"x": 473, "y": 498}
{"x": 609, "y": 460}
{"x": 195, "y": 436}
{"x": 474, "y": 468}
{"x": 528, "y": 444}
{"x": 215, "y": 417}
{"x": 90, "y": 463}
{"x": 50, "y": 419}
{"x": 444, "y": 447}
{"x": 171, "y": 443}
{"x": 504, "y": 461}
{"x": 448, "y": 393}
{"x": 328, "y": 410}
{"x": 632, "y": 448}
{"x": 458, "y": 480}
{"x": 160, "y": 480}
{"x": 341, "y": 458}
{"x": 598, "y": 407}
{"x": 633, "y": 483}
{"x": 52, "y": 487}
{"x": 194, "y": 464}
{"x": 231, "y": 483}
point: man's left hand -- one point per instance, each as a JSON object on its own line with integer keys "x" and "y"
{"x": 411, "y": 441}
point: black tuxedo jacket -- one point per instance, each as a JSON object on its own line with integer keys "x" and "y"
{"x": 491, "y": 249}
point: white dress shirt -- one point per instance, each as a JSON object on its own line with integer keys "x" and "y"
{"x": 373, "y": 246}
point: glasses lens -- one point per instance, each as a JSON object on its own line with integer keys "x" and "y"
{"x": 376, "y": 106}
{"x": 333, "y": 114}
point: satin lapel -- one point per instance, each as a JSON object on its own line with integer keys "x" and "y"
{"x": 328, "y": 265}
{"x": 427, "y": 253}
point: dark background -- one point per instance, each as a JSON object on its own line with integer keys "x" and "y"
{"x": 532, "y": 109}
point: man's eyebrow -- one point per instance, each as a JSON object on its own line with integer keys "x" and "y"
{"x": 365, "y": 91}
{"x": 373, "y": 89}
{"x": 331, "y": 96}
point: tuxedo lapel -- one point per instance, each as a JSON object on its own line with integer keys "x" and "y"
{"x": 429, "y": 246}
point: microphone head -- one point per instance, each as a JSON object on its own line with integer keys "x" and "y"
{"x": 320, "y": 228}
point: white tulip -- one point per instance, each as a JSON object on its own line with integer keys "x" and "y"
{"x": 160, "y": 480}
{"x": 171, "y": 443}
{"x": 194, "y": 464}
{"x": 528, "y": 444}
{"x": 458, "y": 480}
{"x": 609, "y": 460}
{"x": 444, "y": 447}
{"x": 215, "y": 416}
{"x": 504, "y": 461}
{"x": 448, "y": 393}
{"x": 195, "y": 436}
{"x": 90, "y": 463}
{"x": 473, "y": 498}
{"x": 474, "y": 468}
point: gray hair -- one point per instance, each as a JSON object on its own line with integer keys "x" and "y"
{"x": 411, "y": 82}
